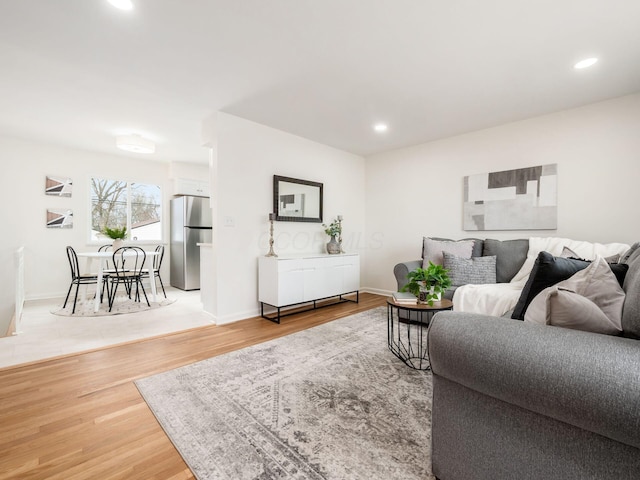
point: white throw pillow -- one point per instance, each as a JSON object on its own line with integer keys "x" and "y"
{"x": 590, "y": 300}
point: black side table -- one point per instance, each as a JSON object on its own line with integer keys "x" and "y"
{"x": 407, "y": 330}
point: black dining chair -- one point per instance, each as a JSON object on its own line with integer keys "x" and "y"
{"x": 77, "y": 278}
{"x": 128, "y": 263}
{"x": 155, "y": 270}
{"x": 109, "y": 269}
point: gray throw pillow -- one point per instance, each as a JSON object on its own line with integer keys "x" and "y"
{"x": 590, "y": 300}
{"x": 624, "y": 258}
{"x": 568, "y": 253}
{"x": 474, "y": 270}
{"x": 433, "y": 250}
{"x": 511, "y": 256}
{"x": 478, "y": 244}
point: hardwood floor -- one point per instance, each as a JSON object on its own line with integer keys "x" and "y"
{"x": 81, "y": 416}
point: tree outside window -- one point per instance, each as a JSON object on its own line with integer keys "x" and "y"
{"x": 118, "y": 203}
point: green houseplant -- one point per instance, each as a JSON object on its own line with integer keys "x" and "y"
{"x": 333, "y": 230}
{"x": 117, "y": 234}
{"x": 428, "y": 284}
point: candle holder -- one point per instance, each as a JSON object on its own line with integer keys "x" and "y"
{"x": 272, "y": 217}
{"x": 340, "y": 234}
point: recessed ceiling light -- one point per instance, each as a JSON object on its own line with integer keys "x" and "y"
{"x": 122, "y": 4}
{"x": 380, "y": 127}
{"x": 587, "y": 62}
{"x": 135, "y": 143}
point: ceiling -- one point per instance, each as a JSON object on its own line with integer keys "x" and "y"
{"x": 80, "y": 72}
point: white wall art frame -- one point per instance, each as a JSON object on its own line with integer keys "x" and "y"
{"x": 520, "y": 199}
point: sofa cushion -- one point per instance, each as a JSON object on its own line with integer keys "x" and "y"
{"x": 624, "y": 258}
{"x": 568, "y": 253}
{"x": 549, "y": 270}
{"x": 590, "y": 300}
{"x": 477, "y": 244}
{"x": 510, "y": 254}
{"x": 631, "y": 309}
{"x": 474, "y": 270}
{"x": 433, "y": 250}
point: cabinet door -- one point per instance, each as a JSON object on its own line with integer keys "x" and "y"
{"x": 184, "y": 186}
{"x": 351, "y": 275}
{"x": 290, "y": 282}
{"x": 320, "y": 279}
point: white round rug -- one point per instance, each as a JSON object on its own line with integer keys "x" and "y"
{"x": 123, "y": 304}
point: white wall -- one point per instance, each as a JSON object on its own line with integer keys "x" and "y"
{"x": 418, "y": 191}
{"x": 248, "y": 155}
{"x": 24, "y": 206}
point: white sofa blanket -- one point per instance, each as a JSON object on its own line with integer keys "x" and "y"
{"x": 497, "y": 299}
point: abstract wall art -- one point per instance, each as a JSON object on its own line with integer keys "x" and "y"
{"x": 520, "y": 199}
{"x": 59, "y": 218}
{"x": 58, "y": 186}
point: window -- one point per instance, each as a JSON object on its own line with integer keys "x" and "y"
{"x": 118, "y": 203}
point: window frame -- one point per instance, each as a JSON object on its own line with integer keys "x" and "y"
{"x": 128, "y": 181}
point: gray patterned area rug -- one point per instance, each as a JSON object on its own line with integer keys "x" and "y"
{"x": 330, "y": 402}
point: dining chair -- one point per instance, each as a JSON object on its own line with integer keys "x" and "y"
{"x": 108, "y": 269}
{"x": 128, "y": 265}
{"x": 77, "y": 278}
{"x": 155, "y": 270}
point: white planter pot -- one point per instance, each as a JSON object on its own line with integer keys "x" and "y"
{"x": 426, "y": 295}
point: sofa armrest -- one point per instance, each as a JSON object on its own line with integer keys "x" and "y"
{"x": 401, "y": 270}
{"x": 588, "y": 380}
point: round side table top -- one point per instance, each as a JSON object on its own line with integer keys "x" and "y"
{"x": 443, "y": 304}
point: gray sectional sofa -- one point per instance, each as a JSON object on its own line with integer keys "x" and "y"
{"x": 517, "y": 400}
{"x": 510, "y": 256}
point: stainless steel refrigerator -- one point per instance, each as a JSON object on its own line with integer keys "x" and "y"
{"x": 191, "y": 220}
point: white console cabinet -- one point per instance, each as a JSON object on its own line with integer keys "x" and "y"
{"x": 286, "y": 281}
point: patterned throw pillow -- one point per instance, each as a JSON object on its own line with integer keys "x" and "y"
{"x": 475, "y": 270}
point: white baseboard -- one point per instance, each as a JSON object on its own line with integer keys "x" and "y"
{"x": 236, "y": 317}
{"x": 376, "y": 291}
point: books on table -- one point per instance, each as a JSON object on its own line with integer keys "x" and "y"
{"x": 405, "y": 298}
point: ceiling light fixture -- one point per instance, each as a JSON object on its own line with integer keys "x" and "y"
{"x": 380, "y": 127}
{"x": 587, "y": 62}
{"x": 122, "y": 4}
{"x": 135, "y": 143}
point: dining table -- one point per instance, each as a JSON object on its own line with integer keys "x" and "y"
{"x": 103, "y": 258}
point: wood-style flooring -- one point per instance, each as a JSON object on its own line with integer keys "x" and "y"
{"x": 81, "y": 416}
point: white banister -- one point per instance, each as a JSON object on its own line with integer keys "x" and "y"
{"x": 14, "y": 328}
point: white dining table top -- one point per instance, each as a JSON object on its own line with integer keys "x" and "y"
{"x": 110, "y": 254}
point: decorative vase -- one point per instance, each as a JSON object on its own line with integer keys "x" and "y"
{"x": 117, "y": 243}
{"x": 333, "y": 246}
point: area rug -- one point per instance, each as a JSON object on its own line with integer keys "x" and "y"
{"x": 122, "y": 305}
{"x": 330, "y": 402}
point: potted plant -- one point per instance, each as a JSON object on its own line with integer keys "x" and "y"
{"x": 117, "y": 234}
{"x": 333, "y": 230}
{"x": 428, "y": 284}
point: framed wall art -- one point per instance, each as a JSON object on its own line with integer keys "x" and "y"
{"x": 520, "y": 199}
{"x": 58, "y": 186}
{"x": 58, "y": 218}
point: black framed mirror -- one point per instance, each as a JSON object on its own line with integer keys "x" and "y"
{"x": 296, "y": 200}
